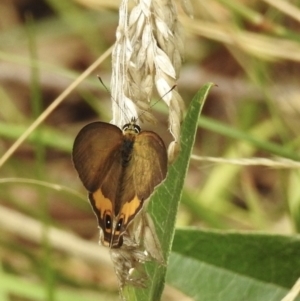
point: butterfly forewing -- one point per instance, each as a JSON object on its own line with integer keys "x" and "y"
{"x": 95, "y": 149}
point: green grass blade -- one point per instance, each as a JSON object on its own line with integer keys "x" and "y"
{"x": 228, "y": 131}
{"x": 47, "y": 136}
{"x": 35, "y": 290}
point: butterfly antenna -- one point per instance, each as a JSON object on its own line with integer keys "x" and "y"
{"x": 158, "y": 101}
{"x": 105, "y": 87}
{"x": 133, "y": 119}
{"x": 101, "y": 81}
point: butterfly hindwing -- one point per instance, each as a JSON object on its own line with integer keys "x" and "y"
{"x": 147, "y": 169}
{"x": 150, "y": 163}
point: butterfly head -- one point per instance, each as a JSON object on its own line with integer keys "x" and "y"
{"x": 131, "y": 128}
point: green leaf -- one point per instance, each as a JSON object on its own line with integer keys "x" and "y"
{"x": 164, "y": 202}
{"x": 233, "y": 266}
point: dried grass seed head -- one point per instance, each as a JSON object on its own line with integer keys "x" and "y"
{"x": 148, "y": 52}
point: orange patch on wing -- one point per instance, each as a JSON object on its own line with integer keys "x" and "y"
{"x": 102, "y": 203}
{"x": 129, "y": 209}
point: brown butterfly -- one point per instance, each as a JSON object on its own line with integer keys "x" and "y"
{"x": 120, "y": 169}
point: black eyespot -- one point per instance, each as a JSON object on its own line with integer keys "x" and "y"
{"x": 126, "y": 126}
{"x": 119, "y": 224}
{"x": 107, "y": 221}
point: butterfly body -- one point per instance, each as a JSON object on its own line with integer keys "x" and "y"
{"x": 120, "y": 169}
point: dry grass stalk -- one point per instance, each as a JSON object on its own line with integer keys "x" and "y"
{"x": 286, "y": 7}
{"x": 148, "y": 52}
{"x": 57, "y": 101}
{"x": 257, "y": 45}
{"x": 282, "y": 163}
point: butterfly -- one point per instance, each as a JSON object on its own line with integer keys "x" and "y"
{"x": 120, "y": 169}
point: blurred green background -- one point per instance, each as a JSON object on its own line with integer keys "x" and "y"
{"x": 48, "y": 234}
